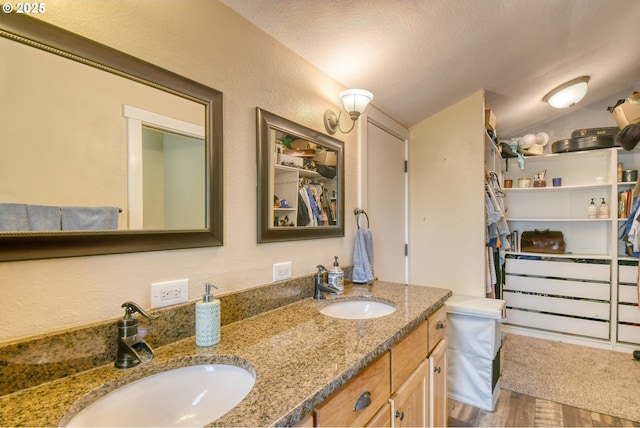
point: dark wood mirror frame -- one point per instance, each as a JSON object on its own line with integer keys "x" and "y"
{"x": 42, "y": 245}
{"x": 266, "y": 233}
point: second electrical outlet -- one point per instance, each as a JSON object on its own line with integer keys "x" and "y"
{"x": 281, "y": 271}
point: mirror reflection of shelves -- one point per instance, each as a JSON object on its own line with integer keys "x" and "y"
{"x": 290, "y": 176}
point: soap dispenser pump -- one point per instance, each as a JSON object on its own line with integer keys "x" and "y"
{"x": 208, "y": 319}
{"x": 336, "y": 276}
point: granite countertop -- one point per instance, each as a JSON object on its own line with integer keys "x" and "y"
{"x": 299, "y": 357}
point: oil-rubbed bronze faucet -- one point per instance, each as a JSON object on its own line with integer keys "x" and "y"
{"x": 321, "y": 287}
{"x": 132, "y": 349}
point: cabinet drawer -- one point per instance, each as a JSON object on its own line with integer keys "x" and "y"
{"x": 629, "y": 333}
{"x": 628, "y": 274}
{"x": 437, "y": 327}
{"x": 408, "y": 353}
{"x": 628, "y": 294}
{"x": 586, "y": 271}
{"x": 560, "y": 306}
{"x": 338, "y": 409}
{"x": 558, "y": 287}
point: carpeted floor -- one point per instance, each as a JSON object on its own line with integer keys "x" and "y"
{"x": 593, "y": 379}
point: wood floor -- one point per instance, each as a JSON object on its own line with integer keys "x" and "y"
{"x": 518, "y": 410}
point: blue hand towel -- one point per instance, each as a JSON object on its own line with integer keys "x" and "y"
{"x": 43, "y": 217}
{"x": 363, "y": 257}
{"x": 89, "y": 218}
{"x": 13, "y": 217}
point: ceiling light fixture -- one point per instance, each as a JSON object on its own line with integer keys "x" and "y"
{"x": 568, "y": 94}
{"x": 354, "y": 102}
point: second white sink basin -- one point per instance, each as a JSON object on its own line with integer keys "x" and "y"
{"x": 358, "y": 309}
{"x": 187, "y": 396}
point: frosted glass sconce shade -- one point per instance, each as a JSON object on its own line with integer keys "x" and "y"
{"x": 354, "y": 102}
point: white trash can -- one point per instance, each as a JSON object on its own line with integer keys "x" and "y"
{"x": 474, "y": 341}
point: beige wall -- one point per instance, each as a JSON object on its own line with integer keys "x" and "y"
{"x": 207, "y": 42}
{"x": 446, "y": 197}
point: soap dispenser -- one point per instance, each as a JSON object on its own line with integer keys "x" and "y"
{"x": 208, "y": 319}
{"x": 593, "y": 210}
{"x": 603, "y": 210}
{"x": 336, "y": 276}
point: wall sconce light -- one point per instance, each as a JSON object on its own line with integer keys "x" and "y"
{"x": 354, "y": 102}
{"x": 568, "y": 94}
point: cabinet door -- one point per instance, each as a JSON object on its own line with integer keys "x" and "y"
{"x": 438, "y": 386}
{"x": 409, "y": 404}
{"x": 382, "y": 418}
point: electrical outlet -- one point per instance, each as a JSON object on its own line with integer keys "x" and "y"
{"x": 281, "y": 271}
{"x": 169, "y": 293}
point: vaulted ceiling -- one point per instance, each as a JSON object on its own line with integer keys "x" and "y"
{"x": 420, "y": 56}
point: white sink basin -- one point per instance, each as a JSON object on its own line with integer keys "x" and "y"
{"x": 358, "y": 309}
{"x": 187, "y": 396}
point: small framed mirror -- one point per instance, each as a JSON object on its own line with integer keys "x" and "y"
{"x": 300, "y": 181}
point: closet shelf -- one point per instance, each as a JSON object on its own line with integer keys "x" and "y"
{"x": 555, "y": 189}
{"x": 561, "y": 256}
{"x": 561, "y": 219}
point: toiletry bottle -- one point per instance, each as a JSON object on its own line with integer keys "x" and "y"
{"x": 619, "y": 172}
{"x": 603, "y": 210}
{"x": 336, "y": 276}
{"x": 208, "y": 319}
{"x": 593, "y": 210}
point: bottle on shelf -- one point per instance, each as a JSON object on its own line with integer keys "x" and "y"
{"x": 592, "y": 210}
{"x": 619, "y": 172}
{"x": 603, "y": 210}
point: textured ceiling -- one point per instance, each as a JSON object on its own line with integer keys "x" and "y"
{"x": 420, "y": 56}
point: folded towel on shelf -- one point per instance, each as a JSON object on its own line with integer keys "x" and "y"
{"x": 13, "y": 217}
{"x": 363, "y": 257}
{"x": 89, "y": 218}
{"x": 43, "y": 217}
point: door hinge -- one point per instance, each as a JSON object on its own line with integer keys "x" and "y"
{"x": 406, "y": 166}
{"x": 406, "y": 250}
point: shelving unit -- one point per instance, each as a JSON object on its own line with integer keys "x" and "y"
{"x": 584, "y": 295}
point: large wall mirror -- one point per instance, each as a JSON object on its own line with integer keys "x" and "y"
{"x": 101, "y": 152}
{"x": 300, "y": 181}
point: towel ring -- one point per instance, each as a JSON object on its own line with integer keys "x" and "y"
{"x": 357, "y": 213}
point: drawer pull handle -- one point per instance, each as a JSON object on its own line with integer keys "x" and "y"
{"x": 436, "y": 369}
{"x": 439, "y": 325}
{"x": 363, "y": 401}
{"x": 399, "y": 414}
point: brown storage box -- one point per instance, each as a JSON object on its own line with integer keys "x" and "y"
{"x": 301, "y": 144}
{"x": 326, "y": 157}
{"x": 626, "y": 114}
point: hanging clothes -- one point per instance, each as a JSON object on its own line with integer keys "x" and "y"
{"x": 495, "y": 234}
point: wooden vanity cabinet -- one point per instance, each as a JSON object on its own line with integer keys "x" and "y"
{"x": 407, "y": 384}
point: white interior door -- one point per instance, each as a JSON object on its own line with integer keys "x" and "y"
{"x": 386, "y": 202}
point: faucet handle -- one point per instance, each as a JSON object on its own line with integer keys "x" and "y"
{"x": 131, "y": 307}
{"x": 321, "y": 268}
